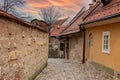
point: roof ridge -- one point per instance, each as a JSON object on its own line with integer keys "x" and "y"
{"x": 108, "y": 6}
{"x": 76, "y": 17}
{"x": 97, "y": 4}
{"x": 105, "y": 12}
{"x": 61, "y": 21}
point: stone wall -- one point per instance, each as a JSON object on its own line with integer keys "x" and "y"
{"x": 54, "y": 48}
{"x": 76, "y": 47}
{"x": 23, "y": 50}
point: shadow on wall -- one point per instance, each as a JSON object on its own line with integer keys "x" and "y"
{"x": 53, "y": 51}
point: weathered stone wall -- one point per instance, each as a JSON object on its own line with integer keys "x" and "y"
{"x": 54, "y": 48}
{"x": 23, "y": 50}
{"x": 76, "y": 47}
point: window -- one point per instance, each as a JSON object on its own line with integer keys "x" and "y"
{"x": 62, "y": 46}
{"x": 58, "y": 26}
{"x": 90, "y": 40}
{"x": 106, "y": 42}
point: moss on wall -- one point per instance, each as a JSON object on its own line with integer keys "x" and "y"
{"x": 38, "y": 72}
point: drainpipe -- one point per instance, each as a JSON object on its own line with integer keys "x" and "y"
{"x": 82, "y": 29}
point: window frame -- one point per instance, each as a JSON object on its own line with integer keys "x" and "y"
{"x": 107, "y": 33}
{"x": 90, "y": 40}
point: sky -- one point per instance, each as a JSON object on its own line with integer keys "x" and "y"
{"x": 67, "y": 7}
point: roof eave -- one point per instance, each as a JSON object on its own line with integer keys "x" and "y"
{"x": 100, "y": 19}
{"x": 68, "y": 33}
{"x": 23, "y": 22}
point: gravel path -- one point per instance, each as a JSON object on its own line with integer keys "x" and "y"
{"x": 60, "y": 69}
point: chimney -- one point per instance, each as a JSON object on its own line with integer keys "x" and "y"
{"x": 90, "y": 5}
{"x": 95, "y": 1}
{"x": 58, "y": 26}
{"x": 105, "y": 2}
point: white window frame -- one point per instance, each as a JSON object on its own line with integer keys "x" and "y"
{"x": 103, "y": 42}
{"x": 90, "y": 41}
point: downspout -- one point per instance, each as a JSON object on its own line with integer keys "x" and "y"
{"x": 82, "y": 29}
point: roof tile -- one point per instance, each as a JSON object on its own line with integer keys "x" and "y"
{"x": 104, "y": 11}
{"x": 95, "y": 12}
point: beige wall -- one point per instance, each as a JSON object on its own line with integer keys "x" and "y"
{"x": 111, "y": 60}
{"x": 23, "y": 50}
{"x": 76, "y": 47}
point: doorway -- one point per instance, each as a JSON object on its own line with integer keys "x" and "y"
{"x": 90, "y": 45}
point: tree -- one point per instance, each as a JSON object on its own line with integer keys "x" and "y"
{"x": 27, "y": 18}
{"x": 10, "y": 5}
{"x": 23, "y": 15}
{"x": 50, "y": 15}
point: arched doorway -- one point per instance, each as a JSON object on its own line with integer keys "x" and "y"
{"x": 90, "y": 44}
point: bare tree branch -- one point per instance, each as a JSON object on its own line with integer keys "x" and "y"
{"x": 11, "y": 4}
{"x": 10, "y": 7}
{"x": 50, "y": 15}
{"x": 22, "y": 15}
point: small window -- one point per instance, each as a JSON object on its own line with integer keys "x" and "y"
{"x": 62, "y": 46}
{"x": 106, "y": 42}
{"x": 58, "y": 26}
{"x": 90, "y": 40}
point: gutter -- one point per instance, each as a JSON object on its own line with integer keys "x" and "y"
{"x": 82, "y": 28}
{"x": 67, "y": 33}
{"x": 78, "y": 15}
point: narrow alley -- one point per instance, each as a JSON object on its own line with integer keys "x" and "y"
{"x": 60, "y": 69}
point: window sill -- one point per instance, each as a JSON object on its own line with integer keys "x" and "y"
{"x": 106, "y": 52}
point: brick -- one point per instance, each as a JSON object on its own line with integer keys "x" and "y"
{"x": 13, "y": 55}
{"x": 0, "y": 72}
{"x": 34, "y": 39}
{"x": 0, "y": 46}
{"x": 42, "y": 44}
{"x": 14, "y": 45}
{"x": 29, "y": 41}
{"x": 17, "y": 75}
{"x": 22, "y": 65}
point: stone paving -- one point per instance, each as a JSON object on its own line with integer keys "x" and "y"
{"x": 60, "y": 69}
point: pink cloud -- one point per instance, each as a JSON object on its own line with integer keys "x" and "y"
{"x": 38, "y": 3}
{"x": 66, "y": 6}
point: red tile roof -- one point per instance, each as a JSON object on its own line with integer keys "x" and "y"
{"x": 95, "y": 12}
{"x": 40, "y": 23}
{"x": 56, "y": 31}
{"x": 23, "y": 22}
{"x": 73, "y": 26}
{"x": 58, "y": 27}
{"x": 61, "y": 21}
{"x": 104, "y": 11}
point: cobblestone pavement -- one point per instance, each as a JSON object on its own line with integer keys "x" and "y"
{"x": 59, "y": 69}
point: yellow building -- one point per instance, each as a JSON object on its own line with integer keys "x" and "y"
{"x": 101, "y": 29}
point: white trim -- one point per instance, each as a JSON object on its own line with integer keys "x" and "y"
{"x": 89, "y": 43}
{"x": 103, "y": 49}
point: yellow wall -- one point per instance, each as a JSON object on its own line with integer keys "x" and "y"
{"x": 111, "y": 60}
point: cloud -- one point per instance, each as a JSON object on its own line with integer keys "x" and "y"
{"x": 38, "y": 3}
{"x": 67, "y": 7}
